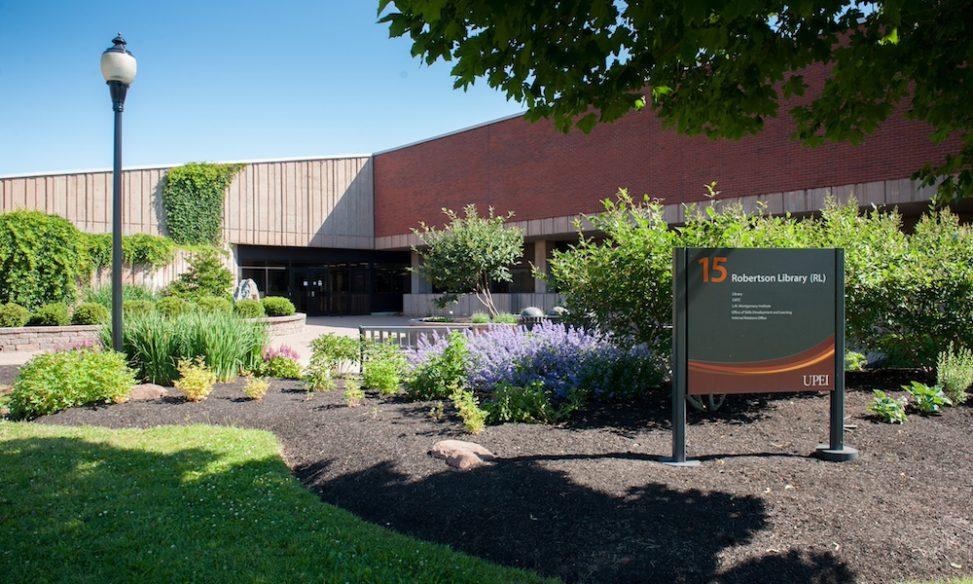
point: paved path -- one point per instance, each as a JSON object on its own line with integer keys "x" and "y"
{"x": 301, "y": 342}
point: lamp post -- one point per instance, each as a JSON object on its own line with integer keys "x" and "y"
{"x": 118, "y": 67}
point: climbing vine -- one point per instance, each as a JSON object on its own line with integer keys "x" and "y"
{"x": 140, "y": 249}
{"x": 193, "y": 201}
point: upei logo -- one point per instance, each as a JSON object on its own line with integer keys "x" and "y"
{"x": 816, "y": 380}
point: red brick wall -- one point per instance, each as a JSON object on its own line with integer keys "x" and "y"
{"x": 537, "y": 172}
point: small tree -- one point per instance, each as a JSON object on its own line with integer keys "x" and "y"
{"x": 468, "y": 254}
{"x": 206, "y": 276}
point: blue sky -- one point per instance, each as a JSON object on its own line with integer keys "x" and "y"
{"x": 217, "y": 81}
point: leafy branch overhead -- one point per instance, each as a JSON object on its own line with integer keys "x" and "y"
{"x": 715, "y": 68}
{"x": 468, "y": 254}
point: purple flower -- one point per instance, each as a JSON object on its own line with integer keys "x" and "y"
{"x": 281, "y": 351}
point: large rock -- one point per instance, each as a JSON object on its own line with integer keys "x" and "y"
{"x": 461, "y": 455}
{"x": 147, "y": 391}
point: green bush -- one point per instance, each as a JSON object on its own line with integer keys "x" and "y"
{"x": 255, "y": 387}
{"x": 319, "y": 378}
{"x": 52, "y": 382}
{"x": 278, "y": 306}
{"x": 282, "y": 367}
{"x": 927, "y": 399}
{"x": 886, "y": 408}
{"x": 101, "y": 294}
{"x": 41, "y": 259}
{"x": 249, "y": 308}
{"x": 196, "y": 380}
{"x": 171, "y": 306}
{"x": 443, "y": 374}
{"x": 136, "y": 308}
{"x": 335, "y": 352}
{"x": 13, "y": 315}
{"x": 855, "y": 361}
{"x": 384, "y": 368}
{"x": 155, "y": 344}
{"x": 193, "y": 200}
{"x": 530, "y": 404}
{"x": 140, "y": 249}
{"x": 474, "y": 418}
{"x": 506, "y": 318}
{"x": 213, "y": 304}
{"x": 89, "y": 313}
{"x": 206, "y": 276}
{"x": 480, "y": 318}
{"x": 50, "y": 315}
{"x": 954, "y": 372}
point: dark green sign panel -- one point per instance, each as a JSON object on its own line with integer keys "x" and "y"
{"x": 760, "y": 320}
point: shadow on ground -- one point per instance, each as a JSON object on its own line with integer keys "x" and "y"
{"x": 520, "y": 514}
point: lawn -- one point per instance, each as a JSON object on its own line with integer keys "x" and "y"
{"x": 190, "y": 503}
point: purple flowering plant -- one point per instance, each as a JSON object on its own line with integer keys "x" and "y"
{"x": 281, "y": 351}
{"x": 562, "y": 357}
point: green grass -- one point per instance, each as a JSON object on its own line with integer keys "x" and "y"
{"x": 190, "y": 503}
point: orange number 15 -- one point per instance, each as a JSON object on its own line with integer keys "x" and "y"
{"x": 718, "y": 269}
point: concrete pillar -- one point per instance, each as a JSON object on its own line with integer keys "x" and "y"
{"x": 540, "y": 263}
{"x": 419, "y": 284}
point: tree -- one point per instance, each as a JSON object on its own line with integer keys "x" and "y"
{"x": 468, "y": 254}
{"x": 717, "y": 67}
{"x": 206, "y": 276}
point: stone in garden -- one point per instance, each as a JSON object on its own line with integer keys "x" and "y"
{"x": 148, "y": 391}
{"x": 460, "y": 454}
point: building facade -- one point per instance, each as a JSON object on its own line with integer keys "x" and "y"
{"x": 334, "y": 234}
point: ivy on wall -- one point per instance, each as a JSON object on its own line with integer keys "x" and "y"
{"x": 193, "y": 201}
{"x": 41, "y": 258}
{"x": 140, "y": 249}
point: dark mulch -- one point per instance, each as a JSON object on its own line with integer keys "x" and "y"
{"x": 588, "y": 501}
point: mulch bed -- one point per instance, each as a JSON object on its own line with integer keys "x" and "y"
{"x": 588, "y": 502}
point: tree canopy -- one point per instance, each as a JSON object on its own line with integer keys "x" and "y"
{"x": 715, "y": 67}
{"x": 468, "y": 254}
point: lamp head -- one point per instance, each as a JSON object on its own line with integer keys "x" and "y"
{"x": 117, "y": 63}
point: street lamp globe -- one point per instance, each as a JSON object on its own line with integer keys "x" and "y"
{"x": 117, "y": 63}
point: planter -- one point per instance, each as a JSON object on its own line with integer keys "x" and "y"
{"x": 47, "y": 338}
{"x": 279, "y": 326}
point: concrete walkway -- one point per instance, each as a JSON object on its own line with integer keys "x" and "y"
{"x": 301, "y": 342}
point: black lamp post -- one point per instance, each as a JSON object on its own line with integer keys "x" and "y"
{"x": 118, "y": 67}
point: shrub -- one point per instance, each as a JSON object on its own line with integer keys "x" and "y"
{"x": 213, "y": 304}
{"x": 886, "y": 408}
{"x": 442, "y": 372}
{"x": 89, "y": 313}
{"x": 43, "y": 257}
{"x": 137, "y": 308}
{"x": 249, "y": 308}
{"x": 506, "y": 318}
{"x": 337, "y": 353}
{"x": 319, "y": 378}
{"x": 140, "y": 249}
{"x": 13, "y": 315}
{"x": 560, "y": 356}
{"x": 154, "y": 344}
{"x": 480, "y": 318}
{"x": 855, "y": 361}
{"x": 954, "y": 372}
{"x": 255, "y": 387}
{"x": 193, "y": 200}
{"x": 206, "y": 276}
{"x": 927, "y": 399}
{"x": 52, "y": 382}
{"x": 282, "y": 367}
{"x": 102, "y": 294}
{"x": 474, "y": 418}
{"x": 278, "y": 306}
{"x": 530, "y": 404}
{"x": 384, "y": 367}
{"x": 196, "y": 380}
{"x": 172, "y": 306}
{"x": 50, "y": 315}
{"x": 354, "y": 396}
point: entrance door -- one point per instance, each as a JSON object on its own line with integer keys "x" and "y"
{"x": 309, "y": 287}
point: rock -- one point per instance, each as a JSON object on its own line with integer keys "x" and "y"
{"x": 461, "y": 455}
{"x": 147, "y": 391}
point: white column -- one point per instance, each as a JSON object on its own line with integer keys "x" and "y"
{"x": 419, "y": 284}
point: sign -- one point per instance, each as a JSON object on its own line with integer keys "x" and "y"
{"x": 758, "y": 321}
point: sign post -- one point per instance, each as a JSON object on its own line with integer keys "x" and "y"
{"x": 758, "y": 321}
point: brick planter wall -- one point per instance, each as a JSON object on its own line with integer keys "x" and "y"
{"x": 46, "y": 338}
{"x": 279, "y": 326}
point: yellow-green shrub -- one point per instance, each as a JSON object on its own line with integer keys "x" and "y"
{"x": 196, "y": 380}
